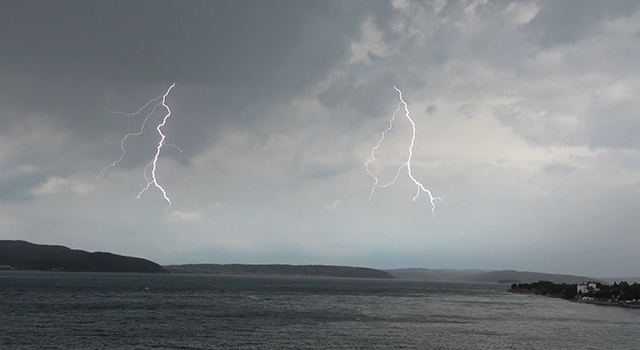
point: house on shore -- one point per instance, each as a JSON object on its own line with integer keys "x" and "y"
{"x": 586, "y": 288}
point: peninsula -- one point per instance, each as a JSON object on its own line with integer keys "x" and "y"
{"x": 22, "y": 255}
{"x": 618, "y": 294}
{"x": 485, "y": 276}
{"x": 280, "y": 270}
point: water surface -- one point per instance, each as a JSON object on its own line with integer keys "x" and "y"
{"x": 138, "y": 311}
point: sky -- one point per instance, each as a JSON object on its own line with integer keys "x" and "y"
{"x": 526, "y": 125}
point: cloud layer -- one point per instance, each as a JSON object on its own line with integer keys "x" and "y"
{"x": 525, "y": 113}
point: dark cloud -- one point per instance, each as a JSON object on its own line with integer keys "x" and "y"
{"x": 358, "y": 102}
{"x": 18, "y": 187}
{"x": 617, "y": 134}
{"x": 604, "y": 123}
{"x": 276, "y": 45}
{"x": 546, "y": 129}
{"x": 372, "y": 56}
{"x": 324, "y": 169}
{"x": 560, "y": 22}
{"x": 559, "y": 168}
{"x": 276, "y": 118}
{"x": 614, "y": 123}
{"x": 71, "y": 62}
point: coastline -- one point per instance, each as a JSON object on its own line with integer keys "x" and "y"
{"x": 607, "y": 303}
{"x": 575, "y": 299}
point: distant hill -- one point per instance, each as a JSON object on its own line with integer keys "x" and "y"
{"x": 610, "y": 280}
{"x": 504, "y": 276}
{"x": 22, "y": 255}
{"x": 512, "y": 276}
{"x": 280, "y": 270}
{"x": 434, "y": 274}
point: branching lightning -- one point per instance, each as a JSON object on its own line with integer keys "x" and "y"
{"x": 407, "y": 164}
{"x": 153, "y": 164}
{"x": 124, "y": 139}
{"x": 151, "y": 178}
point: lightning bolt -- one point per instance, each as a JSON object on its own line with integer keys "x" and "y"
{"x": 124, "y": 139}
{"x": 151, "y": 179}
{"x": 153, "y": 164}
{"x": 376, "y": 183}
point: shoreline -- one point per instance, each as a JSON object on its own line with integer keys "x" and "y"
{"x": 607, "y": 303}
{"x": 575, "y": 298}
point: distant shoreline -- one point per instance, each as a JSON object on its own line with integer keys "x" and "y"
{"x": 607, "y": 303}
{"x": 27, "y": 256}
{"x": 620, "y": 295}
{"x": 279, "y": 270}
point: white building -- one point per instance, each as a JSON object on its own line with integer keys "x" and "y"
{"x": 586, "y": 288}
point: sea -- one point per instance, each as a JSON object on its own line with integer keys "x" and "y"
{"x": 56, "y": 310}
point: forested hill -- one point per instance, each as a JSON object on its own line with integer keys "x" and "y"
{"x": 503, "y": 276}
{"x": 280, "y": 270}
{"x": 510, "y": 276}
{"x": 21, "y": 255}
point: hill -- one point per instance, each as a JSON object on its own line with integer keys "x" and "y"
{"x": 280, "y": 270}
{"x": 611, "y": 280}
{"x": 503, "y": 276}
{"x": 22, "y": 255}
{"x": 511, "y": 276}
{"x": 433, "y": 274}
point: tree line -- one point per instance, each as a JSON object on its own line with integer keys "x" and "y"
{"x": 622, "y": 291}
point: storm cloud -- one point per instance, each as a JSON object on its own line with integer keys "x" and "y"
{"x": 526, "y": 115}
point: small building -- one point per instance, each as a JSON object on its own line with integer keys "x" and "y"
{"x": 586, "y": 288}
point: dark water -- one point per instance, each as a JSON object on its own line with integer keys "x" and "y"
{"x": 123, "y": 311}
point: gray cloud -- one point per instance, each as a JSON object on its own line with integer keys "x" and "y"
{"x": 357, "y": 103}
{"x": 18, "y": 187}
{"x": 559, "y": 168}
{"x": 524, "y": 113}
{"x": 284, "y": 45}
{"x": 62, "y": 61}
{"x": 559, "y": 22}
